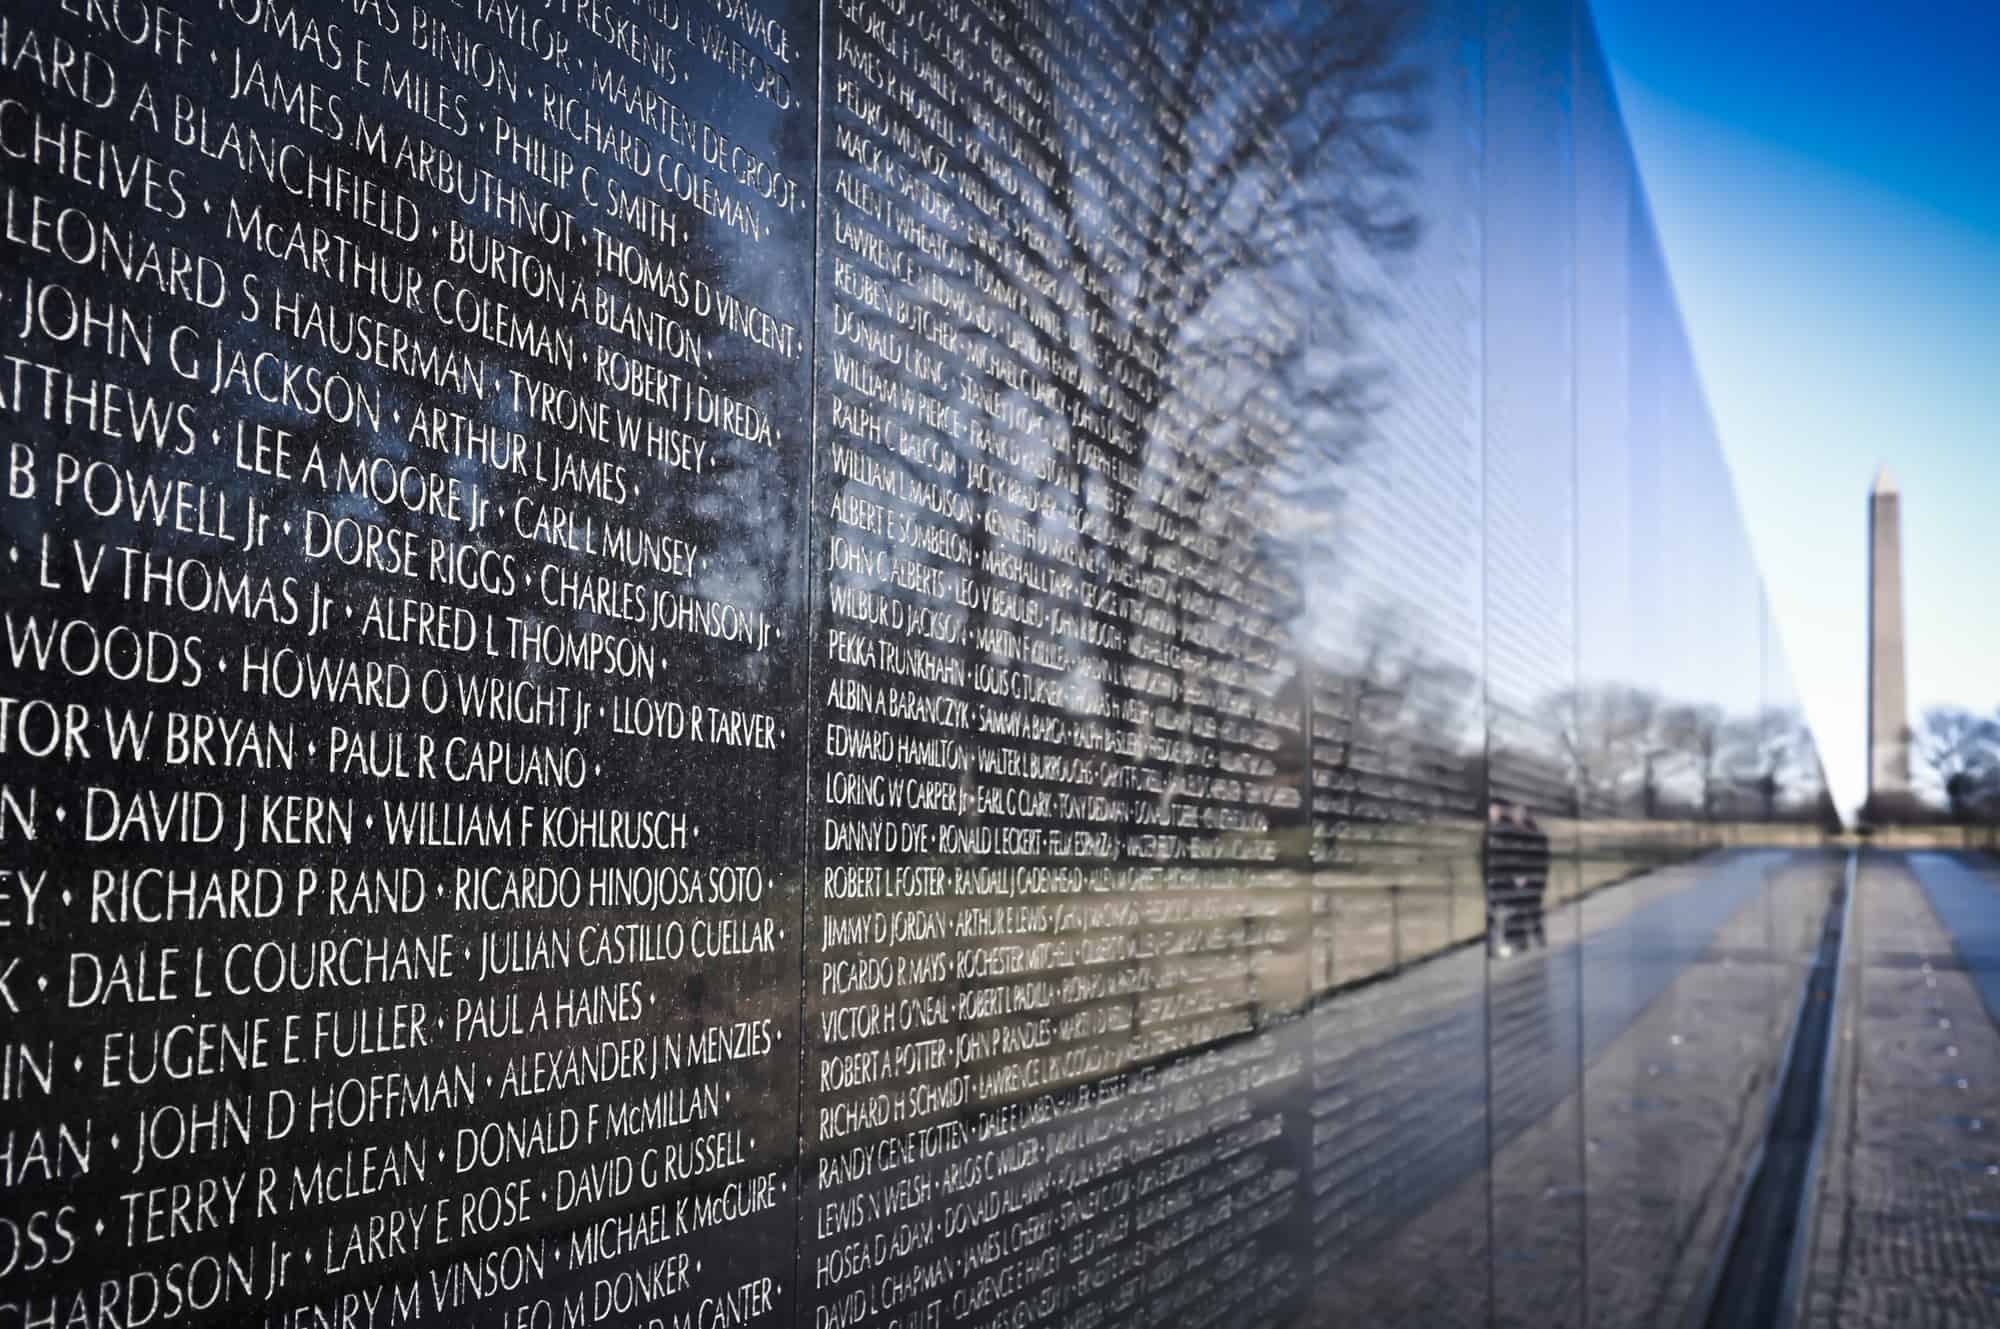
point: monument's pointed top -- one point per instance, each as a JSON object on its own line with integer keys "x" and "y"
{"x": 1885, "y": 483}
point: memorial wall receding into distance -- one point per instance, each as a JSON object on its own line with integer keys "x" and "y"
{"x": 692, "y": 663}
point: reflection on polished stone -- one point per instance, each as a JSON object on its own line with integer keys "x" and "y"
{"x": 718, "y": 664}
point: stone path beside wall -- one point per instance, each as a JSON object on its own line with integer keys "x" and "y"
{"x": 1639, "y": 1167}
{"x": 1908, "y": 1219}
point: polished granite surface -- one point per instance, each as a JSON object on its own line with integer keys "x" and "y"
{"x": 866, "y": 664}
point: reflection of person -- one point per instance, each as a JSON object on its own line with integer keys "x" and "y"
{"x": 1536, "y": 859}
{"x": 1503, "y": 865}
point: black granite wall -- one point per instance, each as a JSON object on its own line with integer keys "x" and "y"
{"x": 711, "y": 663}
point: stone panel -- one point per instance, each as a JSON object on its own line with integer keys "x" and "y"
{"x": 711, "y": 662}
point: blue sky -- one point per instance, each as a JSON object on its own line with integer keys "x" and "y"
{"x": 1825, "y": 185}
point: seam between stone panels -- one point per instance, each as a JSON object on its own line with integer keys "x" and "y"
{"x": 806, "y": 715}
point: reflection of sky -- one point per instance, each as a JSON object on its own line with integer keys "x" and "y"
{"x": 1408, "y": 540}
{"x": 1667, "y": 594}
{"x": 1821, "y": 175}
{"x": 1468, "y": 517}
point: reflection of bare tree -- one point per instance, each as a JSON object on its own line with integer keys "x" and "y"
{"x": 1657, "y": 755}
{"x": 1627, "y": 751}
{"x": 1768, "y": 753}
{"x": 1182, "y": 360}
{"x": 1961, "y": 749}
{"x": 1697, "y": 735}
{"x": 1396, "y": 707}
{"x": 1611, "y": 736}
{"x": 1280, "y": 137}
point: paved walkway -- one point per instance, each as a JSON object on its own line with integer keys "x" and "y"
{"x": 1675, "y": 991}
{"x": 1908, "y": 1217}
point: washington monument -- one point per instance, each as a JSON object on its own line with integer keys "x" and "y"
{"x": 1888, "y": 704}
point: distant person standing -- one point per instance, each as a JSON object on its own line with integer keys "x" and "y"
{"x": 1502, "y": 865}
{"x": 1536, "y": 859}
